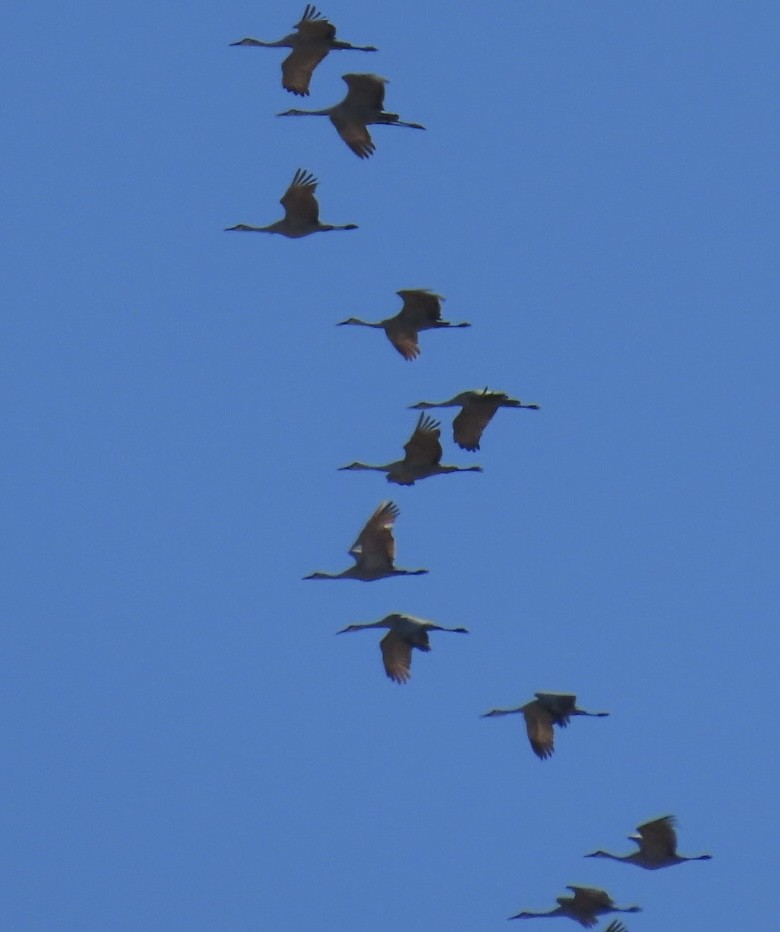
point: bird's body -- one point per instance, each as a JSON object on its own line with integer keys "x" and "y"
{"x": 421, "y": 311}
{"x": 310, "y": 43}
{"x": 477, "y": 410}
{"x": 587, "y": 904}
{"x": 374, "y": 550}
{"x": 541, "y": 713}
{"x": 423, "y": 457}
{"x": 301, "y": 211}
{"x": 363, "y": 106}
{"x": 405, "y": 633}
{"x": 657, "y": 841}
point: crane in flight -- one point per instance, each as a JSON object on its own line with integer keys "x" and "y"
{"x": 422, "y": 457}
{"x": 477, "y": 410}
{"x": 363, "y": 106}
{"x": 310, "y": 43}
{"x": 657, "y": 847}
{"x": 421, "y": 311}
{"x": 405, "y": 632}
{"x": 301, "y": 211}
{"x": 374, "y": 550}
{"x": 540, "y": 714}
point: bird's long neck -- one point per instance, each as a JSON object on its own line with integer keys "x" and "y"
{"x": 397, "y": 572}
{"x": 357, "y": 322}
{"x": 320, "y": 575}
{"x": 305, "y": 113}
{"x": 460, "y": 469}
{"x": 612, "y": 857}
{"x": 364, "y": 466}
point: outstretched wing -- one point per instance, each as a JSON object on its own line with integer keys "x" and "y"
{"x": 659, "y": 839}
{"x": 420, "y": 306}
{"x": 559, "y": 705}
{"x": 468, "y": 426}
{"x": 397, "y": 657}
{"x": 539, "y": 725}
{"x": 299, "y": 66}
{"x": 423, "y": 447}
{"x": 300, "y": 204}
{"x": 374, "y": 548}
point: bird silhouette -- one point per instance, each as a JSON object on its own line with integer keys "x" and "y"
{"x": 478, "y": 408}
{"x": 421, "y": 311}
{"x": 310, "y": 43}
{"x": 541, "y": 713}
{"x": 363, "y": 105}
{"x": 657, "y": 841}
{"x": 587, "y": 904}
{"x": 374, "y": 550}
{"x": 301, "y": 211}
{"x": 406, "y": 632}
{"x": 422, "y": 458}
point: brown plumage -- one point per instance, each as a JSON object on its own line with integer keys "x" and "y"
{"x": 657, "y": 841}
{"x": 406, "y": 632}
{"x": 362, "y": 106}
{"x": 301, "y": 211}
{"x": 421, "y": 311}
{"x": 310, "y": 43}
{"x": 541, "y": 713}
{"x": 587, "y": 904}
{"x": 374, "y": 550}
{"x": 477, "y": 411}
{"x": 422, "y": 458}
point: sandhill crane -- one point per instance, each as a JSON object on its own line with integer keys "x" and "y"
{"x": 616, "y": 926}
{"x": 421, "y": 311}
{"x": 657, "y": 842}
{"x": 422, "y": 459}
{"x": 301, "y": 211}
{"x": 315, "y": 37}
{"x": 587, "y": 904}
{"x": 374, "y": 550}
{"x": 362, "y": 106}
{"x": 405, "y": 632}
{"x": 478, "y": 410}
{"x": 541, "y": 713}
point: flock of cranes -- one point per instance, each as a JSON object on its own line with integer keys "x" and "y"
{"x": 373, "y": 551}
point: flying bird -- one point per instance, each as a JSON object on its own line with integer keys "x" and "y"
{"x": 657, "y": 841}
{"x": 541, "y": 713}
{"x": 363, "y": 105}
{"x": 405, "y": 632}
{"x": 587, "y": 904}
{"x": 312, "y": 41}
{"x": 421, "y": 311}
{"x": 422, "y": 458}
{"x": 374, "y": 550}
{"x": 301, "y": 211}
{"x": 477, "y": 411}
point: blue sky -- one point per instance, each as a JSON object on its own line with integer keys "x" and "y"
{"x": 187, "y": 743}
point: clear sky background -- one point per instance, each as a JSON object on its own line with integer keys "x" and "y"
{"x": 186, "y": 743}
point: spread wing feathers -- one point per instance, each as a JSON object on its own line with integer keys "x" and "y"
{"x": 658, "y": 838}
{"x": 375, "y": 545}
{"x": 313, "y": 25}
{"x": 354, "y": 134}
{"x": 423, "y": 447}
{"x": 420, "y": 306}
{"x": 299, "y": 201}
{"x": 315, "y": 35}
{"x": 539, "y": 725}
{"x": 365, "y": 91}
{"x": 396, "y": 657}
{"x": 299, "y": 66}
{"x": 468, "y": 426}
{"x": 616, "y": 926}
